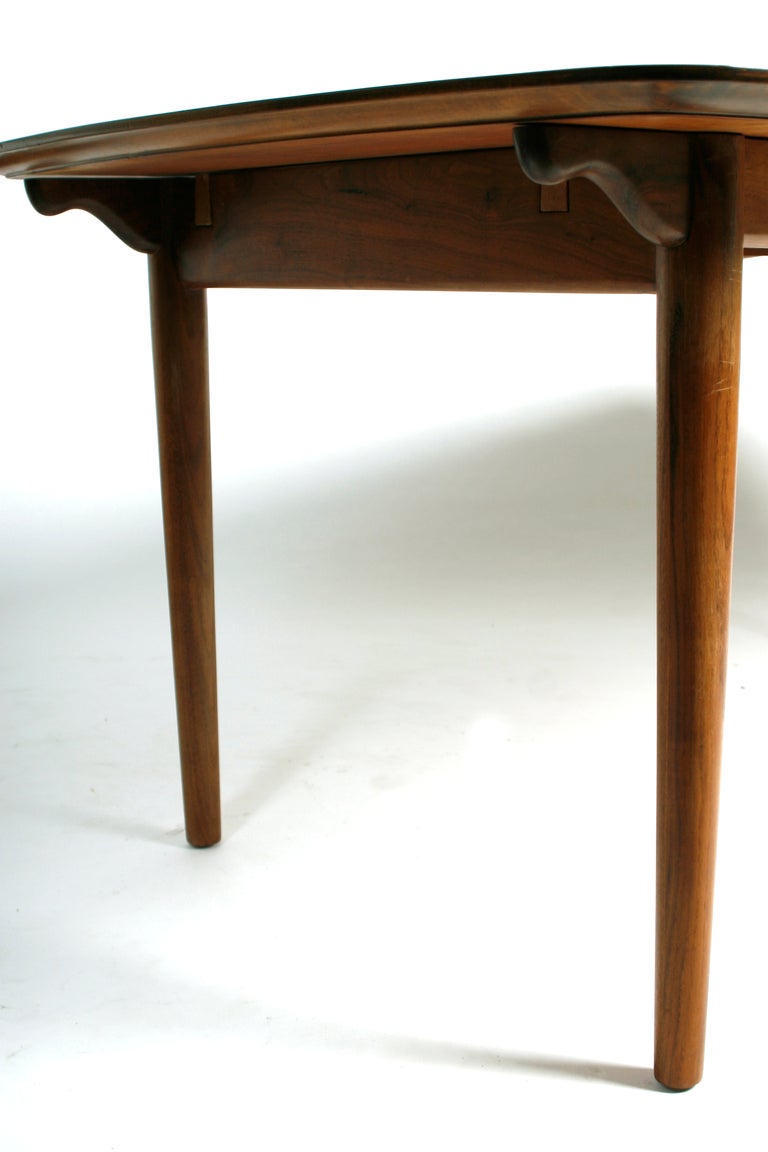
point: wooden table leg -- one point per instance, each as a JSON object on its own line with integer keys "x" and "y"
{"x": 699, "y": 300}
{"x": 179, "y": 341}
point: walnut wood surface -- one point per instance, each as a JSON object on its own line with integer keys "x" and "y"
{"x": 644, "y": 174}
{"x": 445, "y": 116}
{"x": 450, "y": 221}
{"x": 179, "y": 343}
{"x": 755, "y": 195}
{"x": 699, "y": 300}
{"x": 132, "y": 209}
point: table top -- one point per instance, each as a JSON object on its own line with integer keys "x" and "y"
{"x": 445, "y": 116}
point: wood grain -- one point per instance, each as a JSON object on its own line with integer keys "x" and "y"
{"x": 644, "y": 174}
{"x": 445, "y": 115}
{"x": 450, "y": 221}
{"x": 699, "y": 298}
{"x": 129, "y": 208}
{"x": 756, "y": 195}
{"x": 179, "y": 342}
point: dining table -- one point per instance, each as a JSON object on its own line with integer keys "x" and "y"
{"x": 612, "y": 180}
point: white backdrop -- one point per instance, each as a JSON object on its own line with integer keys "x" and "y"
{"x": 430, "y": 922}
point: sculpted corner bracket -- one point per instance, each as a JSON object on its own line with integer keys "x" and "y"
{"x": 134, "y": 209}
{"x": 646, "y": 175}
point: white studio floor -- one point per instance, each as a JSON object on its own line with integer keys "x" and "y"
{"x": 430, "y": 922}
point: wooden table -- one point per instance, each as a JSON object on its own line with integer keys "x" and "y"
{"x": 614, "y": 180}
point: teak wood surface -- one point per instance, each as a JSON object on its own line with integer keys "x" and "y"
{"x": 609, "y": 180}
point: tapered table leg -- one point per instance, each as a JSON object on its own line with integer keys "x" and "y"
{"x": 179, "y": 341}
{"x": 699, "y": 301}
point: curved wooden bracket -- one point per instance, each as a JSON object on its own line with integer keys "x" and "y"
{"x": 646, "y": 175}
{"x": 133, "y": 209}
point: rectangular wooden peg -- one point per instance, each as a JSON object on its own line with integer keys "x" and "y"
{"x": 203, "y": 217}
{"x": 554, "y": 197}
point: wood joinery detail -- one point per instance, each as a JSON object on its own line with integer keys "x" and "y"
{"x": 644, "y": 174}
{"x": 477, "y": 226}
{"x": 447, "y": 221}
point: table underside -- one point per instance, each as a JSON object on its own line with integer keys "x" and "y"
{"x": 441, "y": 221}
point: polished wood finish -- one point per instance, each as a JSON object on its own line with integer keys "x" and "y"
{"x": 445, "y": 116}
{"x": 699, "y": 303}
{"x": 644, "y": 175}
{"x": 133, "y": 211}
{"x": 179, "y": 344}
{"x": 755, "y": 196}
{"x": 468, "y": 220}
{"x": 420, "y": 187}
